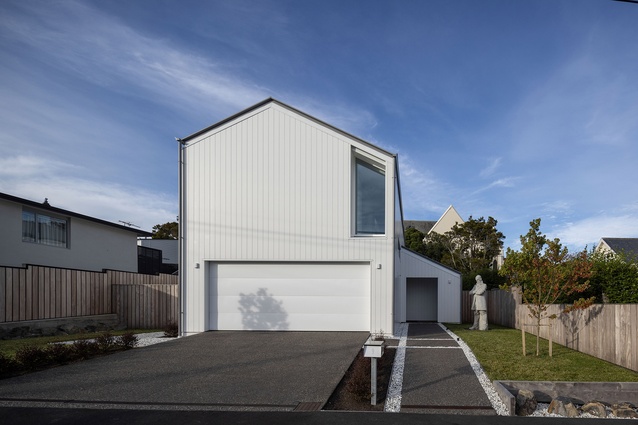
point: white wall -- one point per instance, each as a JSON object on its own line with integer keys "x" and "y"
{"x": 92, "y": 246}
{"x": 449, "y": 286}
{"x": 275, "y": 185}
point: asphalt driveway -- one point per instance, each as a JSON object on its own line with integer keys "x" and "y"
{"x": 227, "y": 370}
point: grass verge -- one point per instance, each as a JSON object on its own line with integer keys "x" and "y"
{"x": 500, "y": 353}
{"x": 10, "y": 346}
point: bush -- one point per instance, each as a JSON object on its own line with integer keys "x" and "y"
{"x": 32, "y": 357}
{"x": 171, "y": 330}
{"x": 105, "y": 341}
{"x": 616, "y": 277}
{"x": 7, "y": 364}
{"x": 128, "y": 340}
{"x": 60, "y": 353}
{"x": 84, "y": 349}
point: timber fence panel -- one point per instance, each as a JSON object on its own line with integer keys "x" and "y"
{"x": 38, "y": 292}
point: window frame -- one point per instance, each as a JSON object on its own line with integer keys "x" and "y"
{"x": 40, "y": 219}
{"x": 373, "y": 163}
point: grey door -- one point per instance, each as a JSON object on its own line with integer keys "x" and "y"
{"x": 421, "y": 299}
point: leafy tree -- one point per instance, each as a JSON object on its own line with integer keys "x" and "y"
{"x": 414, "y": 240}
{"x": 615, "y": 277}
{"x": 545, "y": 271}
{"x": 470, "y": 248}
{"x": 473, "y": 245}
{"x": 168, "y": 230}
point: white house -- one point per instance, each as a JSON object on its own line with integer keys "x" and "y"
{"x": 40, "y": 234}
{"x": 288, "y": 223}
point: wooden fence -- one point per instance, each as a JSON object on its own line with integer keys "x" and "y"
{"x": 606, "y": 331}
{"x": 36, "y": 293}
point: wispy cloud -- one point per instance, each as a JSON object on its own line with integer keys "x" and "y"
{"x": 491, "y": 168}
{"x": 505, "y": 182}
{"x": 588, "y": 231}
{"x": 103, "y": 51}
{"x": 107, "y": 201}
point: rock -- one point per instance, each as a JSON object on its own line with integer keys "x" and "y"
{"x": 624, "y": 410}
{"x": 595, "y": 408}
{"x": 525, "y": 403}
{"x": 563, "y": 406}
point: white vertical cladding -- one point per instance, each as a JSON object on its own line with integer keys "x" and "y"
{"x": 274, "y": 185}
{"x": 448, "y": 289}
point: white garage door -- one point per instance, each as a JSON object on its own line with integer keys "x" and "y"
{"x": 285, "y": 296}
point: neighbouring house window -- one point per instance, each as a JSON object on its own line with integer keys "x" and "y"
{"x": 369, "y": 198}
{"x": 44, "y": 229}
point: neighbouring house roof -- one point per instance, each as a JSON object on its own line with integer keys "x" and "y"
{"x": 629, "y": 246}
{"x": 420, "y": 225}
{"x": 449, "y": 218}
{"x": 47, "y": 207}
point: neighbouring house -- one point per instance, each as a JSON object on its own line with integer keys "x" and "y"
{"x": 168, "y": 255}
{"x": 288, "y": 223}
{"x": 40, "y": 234}
{"x": 626, "y": 246}
{"x": 444, "y": 224}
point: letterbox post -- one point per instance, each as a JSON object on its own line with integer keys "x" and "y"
{"x": 374, "y": 350}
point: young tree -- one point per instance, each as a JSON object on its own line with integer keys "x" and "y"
{"x": 168, "y": 230}
{"x": 545, "y": 271}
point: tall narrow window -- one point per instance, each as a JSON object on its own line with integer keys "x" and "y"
{"x": 369, "y": 198}
{"x": 44, "y": 229}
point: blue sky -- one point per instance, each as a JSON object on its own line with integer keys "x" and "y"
{"x": 510, "y": 109}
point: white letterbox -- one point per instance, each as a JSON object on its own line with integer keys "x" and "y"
{"x": 373, "y": 349}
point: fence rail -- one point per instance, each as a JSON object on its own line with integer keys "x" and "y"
{"x": 36, "y": 293}
{"x": 606, "y": 331}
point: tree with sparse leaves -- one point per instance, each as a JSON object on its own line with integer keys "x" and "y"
{"x": 545, "y": 272}
{"x": 168, "y": 230}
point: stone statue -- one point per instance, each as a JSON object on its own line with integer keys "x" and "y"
{"x": 479, "y": 305}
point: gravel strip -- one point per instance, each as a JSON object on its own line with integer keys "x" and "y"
{"x": 393, "y": 397}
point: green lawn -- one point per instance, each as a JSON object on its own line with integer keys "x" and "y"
{"x": 500, "y": 353}
{"x": 10, "y": 346}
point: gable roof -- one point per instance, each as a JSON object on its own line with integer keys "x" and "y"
{"x": 449, "y": 218}
{"x": 47, "y": 207}
{"x": 629, "y": 246}
{"x": 290, "y": 108}
{"x": 420, "y": 225}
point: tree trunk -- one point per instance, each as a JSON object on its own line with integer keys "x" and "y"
{"x": 538, "y": 335}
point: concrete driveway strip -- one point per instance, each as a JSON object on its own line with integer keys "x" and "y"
{"x": 438, "y": 375}
{"x": 234, "y": 370}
